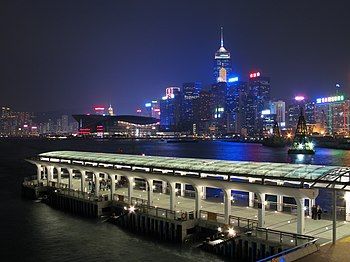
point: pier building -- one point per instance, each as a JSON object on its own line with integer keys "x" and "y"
{"x": 174, "y": 190}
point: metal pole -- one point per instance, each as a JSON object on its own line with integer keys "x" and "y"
{"x": 334, "y": 231}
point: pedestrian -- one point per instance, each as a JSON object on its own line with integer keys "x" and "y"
{"x": 314, "y": 212}
{"x": 319, "y": 212}
{"x": 89, "y": 185}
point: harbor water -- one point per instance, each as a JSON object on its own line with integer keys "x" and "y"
{"x": 33, "y": 231}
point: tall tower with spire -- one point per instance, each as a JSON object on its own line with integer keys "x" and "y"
{"x": 222, "y": 62}
{"x": 110, "y": 110}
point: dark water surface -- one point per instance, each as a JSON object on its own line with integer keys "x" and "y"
{"x": 35, "y": 232}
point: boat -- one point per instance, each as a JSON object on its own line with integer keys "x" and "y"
{"x": 301, "y": 143}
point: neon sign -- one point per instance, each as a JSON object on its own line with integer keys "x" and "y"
{"x": 299, "y": 98}
{"x": 233, "y": 79}
{"x": 330, "y": 99}
{"x": 254, "y": 74}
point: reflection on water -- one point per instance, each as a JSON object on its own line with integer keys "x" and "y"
{"x": 35, "y": 232}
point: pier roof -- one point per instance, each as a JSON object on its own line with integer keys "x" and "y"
{"x": 316, "y": 175}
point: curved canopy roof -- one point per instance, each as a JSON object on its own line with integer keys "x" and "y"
{"x": 277, "y": 171}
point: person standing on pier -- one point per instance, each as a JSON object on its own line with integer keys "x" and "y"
{"x": 314, "y": 212}
{"x": 319, "y": 212}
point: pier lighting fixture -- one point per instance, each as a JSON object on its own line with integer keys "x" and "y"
{"x": 219, "y": 229}
{"x": 153, "y": 187}
{"x": 131, "y": 209}
{"x": 291, "y": 240}
{"x": 305, "y": 208}
{"x": 310, "y": 145}
{"x": 231, "y": 232}
{"x": 289, "y": 135}
{"x": 125, "y": 208}
{"x": 288, "y": 221}
{"x": 300, "y": 146}
{"x": 265, "y": 203}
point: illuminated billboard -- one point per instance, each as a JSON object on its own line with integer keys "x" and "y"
{"x": 330, "y": 99}
{"x": 254, "y": 74}
{"x": 233, "y": 79}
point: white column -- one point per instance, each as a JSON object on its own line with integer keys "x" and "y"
{"x": 49, "y": 174}
{"x": 227, "y": 205}
{"x": 164, "y": 185}
{"x": 251, "y": 199}
{"x": 113, "y": 177}
{"x": 182, "y": 189}
{"x": 97, "y": 183}
{"x": 38, "y": 173}
{"x": 347, "y": 206}
{"x": 204, "y": 192}
{"x": 70, "y": 178}
{"x": 130, "y": 188}
{"x": 172, "y": 196}
{"x": 149, "y": 182}
{"x": 59, "y": 173}
{"x": 300, "y": 215}
{"x": 280, "y": 198}
{"x": 261, "y": 209}
{"x": 198, "y": 199}
{"x": 279, "y": 203}
{"x": 82, "y": 180}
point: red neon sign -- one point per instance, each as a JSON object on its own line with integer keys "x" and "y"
{"x": 254, "y": 74}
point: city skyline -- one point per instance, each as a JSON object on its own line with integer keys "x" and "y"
{"x": 122, "y": 59}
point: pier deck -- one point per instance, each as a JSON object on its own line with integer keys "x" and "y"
{"x": 282, "y": 221}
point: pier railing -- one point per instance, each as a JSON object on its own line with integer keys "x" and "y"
{"x": 82, "y": 195}
{"x": 142, "y": 206}
{"x": 281, "y": 256}
{"x": 233, "y": 220}
{"x": 285, "y": 238}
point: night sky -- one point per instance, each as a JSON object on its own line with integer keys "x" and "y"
{"x": 70, "y": 55}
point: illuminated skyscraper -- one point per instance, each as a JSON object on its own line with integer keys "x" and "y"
{"x": 333, "y": 113}
{"x": 279, "y": 109}
{"x": 190, "y": 105}
{"x": 222, "y": 62}
{"x": 110, "y": 110}
{"x": 170, "y": 110}
{"x": 257, "y": 101}
{"x": 236, "y": 97}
